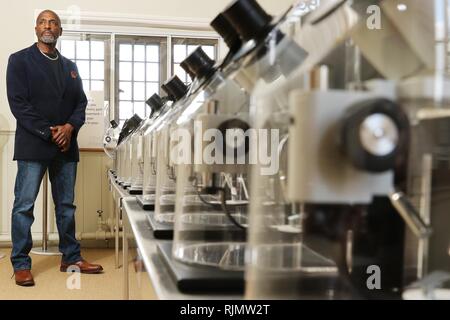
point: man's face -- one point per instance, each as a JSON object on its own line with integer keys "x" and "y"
{"x": 48, "y": 28}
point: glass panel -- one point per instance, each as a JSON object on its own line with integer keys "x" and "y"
{"x": 139, "y": 53}
{"x": 153, "y": 53}
{"x": 125, "y": 110}
{"x": 97, "y": 50}
{"x": 125, "y": 90}
{"x": 125, "y": 52}
{"x": 139, "y": 71}
{"x": 139, "y": 91}
{"x": 82, "y": 49}
{"x": 83, "y": 69}
{"x": 152, "y": 88}
{"x": 179, "y": 53}
{"x": 152, "y": 72}
{"x": 125, "y": 71}
{"x": 97, "y": 86}
{"x": 209, "y": 50}
{"x": 68, "y": 49}
{"x": 86, "y": 86}
{"x": 121, "y": 123}
{"x": 180, "y": 73}
{"x": 139, "y": 108}
{"x": 97, "y": 70}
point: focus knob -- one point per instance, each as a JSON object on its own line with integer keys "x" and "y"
{"x": 372, "y": 134}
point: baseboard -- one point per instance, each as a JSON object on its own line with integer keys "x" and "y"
{"x": 103, "y": 244}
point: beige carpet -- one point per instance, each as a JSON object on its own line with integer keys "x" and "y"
{"x": 52, "y": 284}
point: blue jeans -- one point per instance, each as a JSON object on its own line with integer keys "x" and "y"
{"x": 29, "y": 176}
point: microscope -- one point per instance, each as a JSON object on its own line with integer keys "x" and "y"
{"x": 212, "y": 186}
{"x": 146, "y": 164}
{"x": 137, "y": 145}
{"x": 345, "y": 213}
{"x": 128, "y": 128}
{"x": 200, "y": 67}
{"x": 176, "y": 90}
{"x": 133, "y": 180}
{"x": 110, "y": 139}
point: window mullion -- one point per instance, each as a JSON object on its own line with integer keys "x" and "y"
{"x": 170, "y": 57}
{"x": 145, "y": 78}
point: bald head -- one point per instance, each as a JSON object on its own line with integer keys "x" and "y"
{"x": 48, "y": 27}
{"x": 49, "y": 13}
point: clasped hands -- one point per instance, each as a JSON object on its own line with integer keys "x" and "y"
{"x": 62, "y": 136}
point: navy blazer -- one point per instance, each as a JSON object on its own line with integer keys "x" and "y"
{"x": 37, "y": 104}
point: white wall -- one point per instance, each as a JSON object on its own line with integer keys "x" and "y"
{"x": 18, "y": 23}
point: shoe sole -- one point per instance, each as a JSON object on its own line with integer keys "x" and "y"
{"x": 85, "y": 272}
{"x": 25, "y": 283}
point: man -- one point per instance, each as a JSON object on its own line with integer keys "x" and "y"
{"x": 46, "y": 97}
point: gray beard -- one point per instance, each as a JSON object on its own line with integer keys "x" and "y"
{"x": 47, "y": 39}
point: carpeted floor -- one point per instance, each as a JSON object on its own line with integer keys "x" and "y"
{"x": 52, "y": 284}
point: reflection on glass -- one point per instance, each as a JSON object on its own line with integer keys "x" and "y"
{"x": 97, "y": 70}
{"x": 82, "y": 49}
{"x": 125, "y": 51}
{"x": 68, "y": 49}
{"x": 97, "y": 50}
{"x": 125, "y": 71}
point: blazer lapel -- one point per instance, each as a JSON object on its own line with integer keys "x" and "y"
{"x": 67, "y": 73}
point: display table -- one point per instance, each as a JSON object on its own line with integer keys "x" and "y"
{"x": 118, "y": 193}
{"x": 147, "y": 263}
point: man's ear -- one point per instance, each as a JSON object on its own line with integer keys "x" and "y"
{"x": 60, "y": 32}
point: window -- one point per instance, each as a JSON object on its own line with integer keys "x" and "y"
{"x": 91, "y": 54}
{"x": 140, "y": 62}
{"x": 141, "y": 65}
{"x": 181, "y": 48}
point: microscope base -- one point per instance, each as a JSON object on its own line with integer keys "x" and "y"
{"x": 191, "y": 279}
{"x": 160, "y": 230}
{"x": 135, "y": 191}
{"x": 145, "y": 205}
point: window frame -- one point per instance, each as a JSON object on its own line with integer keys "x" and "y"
{"x": 138, "y": 40}
{"x": 94, "y": 36}
{"x": 136, "y": 25}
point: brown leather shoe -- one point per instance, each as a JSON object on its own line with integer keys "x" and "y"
{"x": 24, "y": 278}
{"x": 83, "y": 265}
